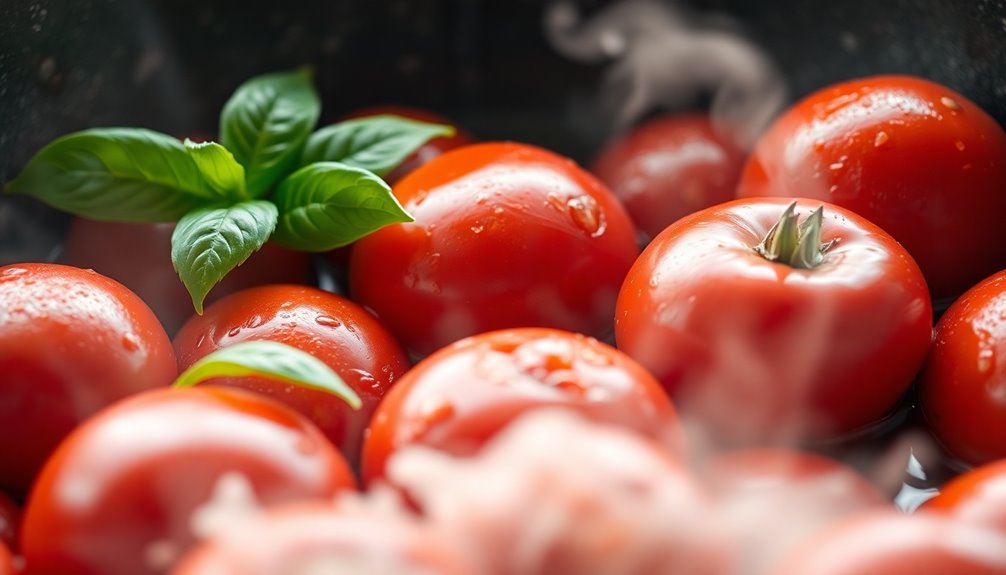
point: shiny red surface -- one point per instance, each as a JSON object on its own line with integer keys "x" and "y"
{"x": 130, "y": 480}
{"x": 978, "y": 496}
{"x": 505, "y": 235}
{"x": 71, "y": 342}
{"x": 914, "y": 157}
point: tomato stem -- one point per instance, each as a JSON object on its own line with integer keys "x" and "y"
{"x": 795, "y": 244}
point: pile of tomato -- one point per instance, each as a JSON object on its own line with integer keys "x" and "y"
{"x": 631, "y": 369}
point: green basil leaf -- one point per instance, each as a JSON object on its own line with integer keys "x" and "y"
{"x": 328, "y": 204}
{"x": 219, "y": 168}
{"x": 121, "y": 174}
{"x": 266, "y": 122}
{"x": 273, "y": 360}
{"x": 376, "y": 143}
{"x": 210, "y": 242}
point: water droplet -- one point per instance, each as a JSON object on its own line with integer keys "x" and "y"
{"x": 565, "y": 380}
{"x": 202, "y": 339}
{"x": 950, "y": 103}
{"x": 476, "y": 229}
{"x": 833, "y": 188}
{"x": 327, "y": 321}
{"x": 959, "y": 145}
{"x": 881, "y": 139}
{"x": 130, "y": 343}
{"x": 253, "y": 322}
{"x": 13, "y": 272}
{"x": 836, "y": 166}
{"x": 498, "y": 210}
{"x": 420, "y": 197}
{"x": 986, "y": 350}
{"x": 234, "y": 331}
{"x": 818, "y": 145}
{"x": 553, "y": 200}
{"x": 586, "y": 215}
{"x": 481, "y": 198}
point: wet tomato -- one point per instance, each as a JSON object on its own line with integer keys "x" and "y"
{"x": 462, "y": 395}
{"x": 71, "y": 342}
{"x": 136, "y": 485}
{"x": 505, "y": 235}
{"x": 669, "y": 167}
{"x": 761, "y": 346}
{"x": 978, "y": 496}
{"x": 914, "y": 157}
{"x": 335, "y": 330}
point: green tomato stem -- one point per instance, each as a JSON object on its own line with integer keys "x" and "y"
{"x": 793, "y": 243}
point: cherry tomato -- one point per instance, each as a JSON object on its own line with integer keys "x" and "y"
{"x": 136, "y": 485}
{"x": 139, "y": 256}
{"x": 882, "y": 543}
{"x": 505, "y": 235}
{"x": 10, "y": 520}
{"x": 669, "y": 167}
{"x": 319, "y": 537}
{"x": 759, "y": 350}
{"x": 914, "y": 157}
{"x": 978, "y": 496}
{"x": 71, "y": 342}
{"x": 459, "y": 397}
{"x": 330, "y": 327}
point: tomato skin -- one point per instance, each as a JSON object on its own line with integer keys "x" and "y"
{"x": 670, "y": 167}
{"x": 977, "y": 496}
{"x": 71, "y": 342}
{"x": 335, "y": 330}
{"x": 505, "y": 235}
{"x": 139, "y": 256}
{"x": 914, "y": 157}
{"x": 760, "y": 351}
{"x": 461, "y": 396}
{"x": 132, "y": 477}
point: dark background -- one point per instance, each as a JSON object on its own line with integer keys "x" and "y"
{"x": 169, "y": 65}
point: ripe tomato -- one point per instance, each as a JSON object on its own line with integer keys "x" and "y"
{"x": 914, "y": 157}
{"x": 759, "y": 350}
{"x": 135, "y": 486}
{"x": 139, "y": 256}
{"x": 882, "y": 543}
{"x": 332, "y": 328}
{"x": 319, "y": 537}
{"x": 71, "y": 342}
{"x": 978, "y": 496}
{"x": 462, "y": 395}
{"x": 669, "y": 167}
{"x": 505, "y": 235}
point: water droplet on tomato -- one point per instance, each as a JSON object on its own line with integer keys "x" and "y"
{"x": 959, "y": 145}
{"x": 986, "y": 351}
{"x": 586, "y": 215}
{"x": 13, "y": 272}
{"x": 327, "y": 321}
{"x": 836, "y": 166}
{"x": 234, "y": 331}
{"x": 476, "y": 229}
{"x": 481, "y": 198}
{"x": 130, "y": 343}
{"x": 950, "y": 103}
{"x": 881, "y": 139}
{"x": 498, "y": 210}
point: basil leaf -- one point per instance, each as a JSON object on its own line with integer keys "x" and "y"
{"x": 328, "y": 204}
{"x": 210, "y": 242}
{"x": 376, "y": 143}
{"x": 273, "y": 360}
{"x": 121, "y": 174}
{"x": 266, "y": 122}
{"x": 219, "y": 168}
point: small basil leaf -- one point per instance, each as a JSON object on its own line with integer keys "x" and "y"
{"x": 266, "y": 122}
{"x": 273, "y": 360}
{"x": 376, "y": 143}
{"x": 210, "y": 242}
{"x": 121, "y": 174}
{"x": 219, "y": 168}
{"x": 328, "y": 204}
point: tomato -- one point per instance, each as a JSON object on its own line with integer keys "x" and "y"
{"x": 914, "y": 157}
{"x": 139, "y": 256}
{"x": 759, "y": 350}
{"x": 505, "y": 235}
{"x": 978, "y": 496}
{"x": 136, "y": 485}
{"x": 330, "y": 327}
{"x": 669, "y": 167}
{"x": 459, "y": 397}
{"x": 881, "y": 543}
{"x": 71, "y": 342}
{"x": 322, "y": 537}
{"x": 10, "y": 519}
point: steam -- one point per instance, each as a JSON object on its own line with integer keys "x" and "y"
{"x": 666, "y": 58}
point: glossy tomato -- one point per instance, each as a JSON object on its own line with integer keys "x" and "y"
{"x": 459, "y": 397}
{"x": 505, "y": 235}
{"x": 978, "y": 496}
{"x": 135, "y": 486}
{"x": 914, "y": 157}
{"x": 139, "y": 256}
{"x": 71, "y": 342}
{"x": 335, "y": 330}
{"x": 669, "y": 167}
{"x": 760, "y": 350}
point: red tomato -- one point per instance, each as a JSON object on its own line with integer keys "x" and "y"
{"x": 462, "y": 395}
{"x": 668, "y": 168}
{"x": 978, "y": 496}
{"x": 10, "y": 520}
{"x": 71, "y": 342}
{"x": 135, "y": 486}
{"x": 505, "y": 235}
{"x": 963, "y": 387}
{"x": 914, "y": 157}
{"x": 139, "y": 256}
{"x": 879, "y": 543}
{"x": 758, "y": 350}
{"x": 332, "y": 328}
{"x": 320, "y": 537}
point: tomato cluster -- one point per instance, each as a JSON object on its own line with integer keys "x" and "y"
{"x": 528, "y": 392}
